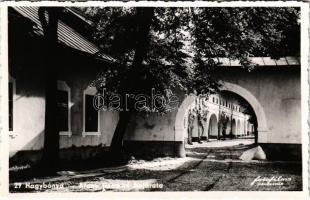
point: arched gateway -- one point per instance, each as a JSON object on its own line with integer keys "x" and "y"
{"x": 262, "y": 129}
{"x": 213, "y": 126}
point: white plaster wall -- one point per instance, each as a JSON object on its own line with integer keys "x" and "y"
{"x": 28, "y": 134}
{"x": 279, "y": 93}
{"x": 108, "y": 122}
{"x": 152, "y": 128}
{"x": 28, "y": 124}
{"x": 162, "y": 128}
{"x": 29, "y": 114}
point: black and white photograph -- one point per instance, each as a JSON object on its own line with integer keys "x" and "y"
{"x": 156, "y": 98}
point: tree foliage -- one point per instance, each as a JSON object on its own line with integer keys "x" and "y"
{"x": 165, "y": 65}
{"x": 184, "y": 43}
{"x": 241, "y": 33}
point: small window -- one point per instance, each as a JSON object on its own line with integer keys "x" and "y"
{"x": 91, "y": 114}
{"x": 217, "y": 100}
{"x": 63, "y": 108}
{"x": 62, "y": 111}
{"x": 213, "y": 99}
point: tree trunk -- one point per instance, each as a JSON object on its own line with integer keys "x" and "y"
{"x": 116, "y": 148}
{"x": 50, "y": 158}
{"x": 144, "y": 16}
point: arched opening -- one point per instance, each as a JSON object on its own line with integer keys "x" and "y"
{"x": 249, "y": 129}
{"x": 228, "y": 129}
{"x": 258, "y": 119}
{"x": 213, "y": 127}
{"x": 233, "y": 128}
{"x": 234, "y": 111}
{"x": 238, "y": 128}
{"x": 242, "y": 114}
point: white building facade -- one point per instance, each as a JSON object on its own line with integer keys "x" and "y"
{"x": 225, "y": 117}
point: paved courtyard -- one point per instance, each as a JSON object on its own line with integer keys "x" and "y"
{"x": 213, "y": 166}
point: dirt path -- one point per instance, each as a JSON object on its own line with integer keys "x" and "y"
{"x": 204, "y": 169}
{"x": 199, "y": 176}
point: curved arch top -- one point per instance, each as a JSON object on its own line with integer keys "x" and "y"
{"x": 258, "y": 109}
{"x": 213, "y": 113}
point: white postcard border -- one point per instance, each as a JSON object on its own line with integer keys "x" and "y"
{"x": 4, "y": 145}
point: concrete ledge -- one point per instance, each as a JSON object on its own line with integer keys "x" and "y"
{"x": 282, "y": 152}
{"x": 139, "y": 149}
{"x": 66, "y": 155}
{"x": 203, "y": 138}
{"x": 152, "y": 149}
{"x": 195, "y": 139}
{"x": 25, "y": 157}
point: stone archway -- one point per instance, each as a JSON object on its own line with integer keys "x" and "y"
{"x": 226, "y": 86}
{"x": 213, "y": 126}
{"x": 262, "y": 128}
{"x": 233, "y": 127}
{"x": 238, "y": 130}
{"x": 228, "y": 129}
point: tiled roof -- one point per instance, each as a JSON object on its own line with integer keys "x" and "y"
{"x": 262, "y": 61}
{"x": 66, "y": 35}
